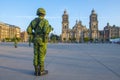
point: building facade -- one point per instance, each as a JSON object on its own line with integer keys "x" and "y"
{"x": 65, "y": 27}
{"x": 111, "y": 32}
{"x": 24, "y": 36}
{"x": 93, "y": 26}
{"x": 8, "y": 31}
{"x": 77, "y": 33}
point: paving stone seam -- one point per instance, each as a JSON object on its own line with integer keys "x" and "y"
{"x": 115, "y": 73}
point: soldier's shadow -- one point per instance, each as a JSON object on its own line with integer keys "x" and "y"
{"x": 23, "y": 71}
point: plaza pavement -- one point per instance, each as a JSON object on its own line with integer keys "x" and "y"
{"x": 64, "y": 62}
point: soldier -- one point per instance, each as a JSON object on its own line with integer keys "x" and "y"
{"x": 39, "y": 30}
{"x": 15, "y": 41}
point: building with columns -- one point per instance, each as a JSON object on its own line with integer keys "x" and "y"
{"x": 93, "y": 26}
{"x": 77, "y": 33}
{"x": 65, "y": 27}
{"x": 111, "y": 32}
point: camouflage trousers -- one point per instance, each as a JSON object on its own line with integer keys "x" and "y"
{"x": 15, "y": 44}
{"x": 39, "y": 54}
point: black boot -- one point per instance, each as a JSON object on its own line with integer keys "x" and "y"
{"x": 42, "y": 71}
{"x": 36, "y": 70}
{"x": 15, "y": 46}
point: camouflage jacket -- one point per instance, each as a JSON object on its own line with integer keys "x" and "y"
{"x": 39, "y": 27}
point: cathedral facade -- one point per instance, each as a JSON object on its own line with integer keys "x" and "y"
{"x": 93, "y": 26}
{"x": 79, "y": 32}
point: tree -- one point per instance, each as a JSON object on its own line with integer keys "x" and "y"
{"x": 86, "y": 39}
{"x": 54, "y": 38}
{"x": 7, "y": 39}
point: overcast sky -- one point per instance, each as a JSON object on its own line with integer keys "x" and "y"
{"x": 21, "y": 12}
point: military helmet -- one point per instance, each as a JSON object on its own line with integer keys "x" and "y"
{"x": 41, "y": 11}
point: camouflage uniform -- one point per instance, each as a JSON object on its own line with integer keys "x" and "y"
{"x": 39, "y": 30}
{"x": 15, "y": 42}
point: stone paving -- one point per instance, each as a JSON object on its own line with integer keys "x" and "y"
{"x": 63, "y": 61}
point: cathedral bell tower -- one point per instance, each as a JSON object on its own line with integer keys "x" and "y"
{"x": 93, "y": 25}
{"x": 65, "y": 27}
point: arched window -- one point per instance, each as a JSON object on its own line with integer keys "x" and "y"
{"x": 65, "y": 27}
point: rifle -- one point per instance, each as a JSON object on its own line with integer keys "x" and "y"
{"x": 31, "y": 38}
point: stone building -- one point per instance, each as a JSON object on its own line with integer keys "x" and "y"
{"x": 8, "y": 31}
{"x": 93, "y": 26}
{"x": 111, "y": 32}
{"x": 101, "y": 36}
{"x": 79, "y": 31}
{"x": 65, "y": 27}
{"x": 24, "y": 36}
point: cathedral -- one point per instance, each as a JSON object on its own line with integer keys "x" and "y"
{"x": 93, "y": 27}
{"x": 79, "y": 32}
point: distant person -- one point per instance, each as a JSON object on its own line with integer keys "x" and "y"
{"x": 15, "y": 41}
{"x": 39, "y": 30}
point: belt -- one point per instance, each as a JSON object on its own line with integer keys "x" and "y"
{"x": 40, "y": 35}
